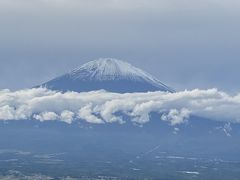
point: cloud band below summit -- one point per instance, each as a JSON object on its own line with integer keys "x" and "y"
{"x": 105, "y": 107}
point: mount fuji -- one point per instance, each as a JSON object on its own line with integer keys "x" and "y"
{"x": 109, "y": 74}
{"x": 198, "y": 149}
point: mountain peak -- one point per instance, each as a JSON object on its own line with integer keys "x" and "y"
{"x": 109, "y": 69}
{"x": 104, "y": 69}
{"x": 109, "y": 74}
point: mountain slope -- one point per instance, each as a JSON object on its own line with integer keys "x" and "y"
{"x": 108, "y": 74}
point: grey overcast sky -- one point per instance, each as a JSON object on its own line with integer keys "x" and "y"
{"x": 185, "y": 43}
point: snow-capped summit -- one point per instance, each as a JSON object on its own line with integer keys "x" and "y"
{"x": 108, "y": 69}
{"x": 108, "y": 74}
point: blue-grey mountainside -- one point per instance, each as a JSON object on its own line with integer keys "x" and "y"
{"x": 108, "y": 74}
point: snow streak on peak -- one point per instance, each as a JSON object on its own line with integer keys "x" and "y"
{"x": 108, "y": 69}
{"x": 105, "y": 69}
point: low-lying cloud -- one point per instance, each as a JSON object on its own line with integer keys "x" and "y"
{"x": 101, "y": 107}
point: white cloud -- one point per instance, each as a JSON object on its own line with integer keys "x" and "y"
{"x": 6, "y": 112}
{"x": 46, "y": 116}
{"x": 67, "y": 116}
{"x": 175, "y": 116}
{"x": 105, "y": 107}
{"x": 86, "y": 113}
